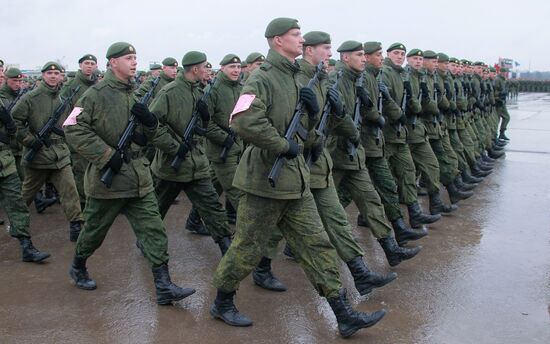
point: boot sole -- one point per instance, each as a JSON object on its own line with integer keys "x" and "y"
{"x": 175, "y": 299}
{"x": 368, "y": 290}
{"x": 30, "y": 260}
{"x": 215, "y": 315}
{"x": 79, "y": 286}
{"x": 371, "y": 323}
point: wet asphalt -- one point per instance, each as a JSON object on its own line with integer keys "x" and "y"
{"x": 483, "y": 275}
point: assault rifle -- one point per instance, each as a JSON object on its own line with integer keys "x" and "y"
{"x": 350, "y": 146}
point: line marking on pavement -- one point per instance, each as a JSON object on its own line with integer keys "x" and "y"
{"x": 526, "y": 151}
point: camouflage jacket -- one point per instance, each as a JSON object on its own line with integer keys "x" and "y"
{"x": 391, "y": 75}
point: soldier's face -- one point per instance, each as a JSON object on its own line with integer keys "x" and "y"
{"x": 355, "y": 60}
{"x": 375, "y": 59}
{"x": 452, "y": 68}
{"x": 291, "y": 43}
{"x": 397, "y": 56}
{"x": 14, "y": 83}
{"x": 321, "y": 52}
{"x": 155, "y": 73}
{"x": 430, "y": 64}
{"x": 232, "y": 71}
{"x": 51, "y": 77}
{"x": 415, "y": 61}
{"x": 444, "y": 66}
{"x": 88, "y": 67}
{"x": 254, "y": 65}
{"x": 124, "y": 66}
{"x": 478, "y": 70}
{"x": 170, "y": 71}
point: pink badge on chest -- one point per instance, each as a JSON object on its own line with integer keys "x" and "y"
{"x": 71, "y": 120}
{"x": 243, "y": 104}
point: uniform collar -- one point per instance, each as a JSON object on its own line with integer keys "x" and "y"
{"x": 282, "y": 63}
{"x": 83, "y": 79}
{"x": 389, "y": 62}
{"x": 114, "y": 82}
{"x": 165, "y": 77}
{"x": 372, "y": 69}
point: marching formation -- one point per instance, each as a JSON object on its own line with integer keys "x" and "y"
{"x": 289, "y": 142}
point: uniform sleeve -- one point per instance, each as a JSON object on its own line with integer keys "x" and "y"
{"x": 390, "y": 109}
{"x": 82, "y": 136}
{"x": 214, "y": 132}
{"x": 163, "y": 138}
{"x": 20, "y": 113}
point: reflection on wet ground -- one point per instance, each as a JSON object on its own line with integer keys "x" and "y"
{"x": 483, "y": 275}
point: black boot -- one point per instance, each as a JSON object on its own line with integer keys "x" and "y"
{"x": 495, "y": 154}
{"x": 365, "y": 280}
{"x": 51, "y": 193}
{"x": 417, "y": 218}
{"x": 462, "y": 186}
{"x": 79, "y": 274}
{"x": 503, "y": 136}
{"x": 41, "y": 202}
{"x": 403, "y": 234}
{"x": 468, "y": 178}
{"x": 349, "y": 320}
{"x": 231, "y": 213}
{"x": 476, "y": 172}
{"x": 74, "y": 230}
{"x": 361, "y": 221}
{"x": 1, "y": 221}
{"x": 485, "y": 167}
{"x": 225, "y": 310}
{"x": 194, "y": 223}
{"x": 29, "y": 253}
{"x": 396, "y": 254}
{"x": 168, "y": 292}
{"x": 263, "y": 277}
{"x": 456, "y": 195}
{"x": 288, "y": 252}
{"x": 437, "y": 206}
{"x": 224, "y": 244}
{"x": 487, "y": 159}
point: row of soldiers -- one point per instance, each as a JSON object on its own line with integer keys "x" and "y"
{"x": 289, "y": 142}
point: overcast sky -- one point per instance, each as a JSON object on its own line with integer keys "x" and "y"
{"x": 36, "y": 31}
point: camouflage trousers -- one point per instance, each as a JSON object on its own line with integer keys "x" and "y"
{"x": 63, "y": 180}
{"x": 79, "y": 164}
{"x": 301, "y": 226}
{"x": 446, "y": 142}
{"x": 20, "y": 169}
{"x": 469, "y": 147}
{"x": 203, "y": 196}
{"x": 358, "y": 185}
{"x": 446, "y": 167}
{"x": 384, "y": 183}
{"x": 402, "y": 167}
{"x": 474, "y": 135}
{"x": 16, "y": 209}
{"x": 426, "y": 163}
{"x": 458, "y": 148}
{"x": 143, "y": 216}
{"x": 502, "y": 111}
{"x": 224, "y": 173}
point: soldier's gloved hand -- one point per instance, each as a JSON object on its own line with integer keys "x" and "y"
{"x": 384, "y": 90}
{"x": 363, "y": 96}
{"x": 143, "y": 115}
{"x": 424, "y": 88}
{"x": 293, "y": 149}
{"x": 336, "y": 103}
{"x": 36, "y": 144}
{"x": 228, "y": 142}
{"x": 380, "y": 122}
{"x": 183, "y": 150}
{"x": 316, "y": 152}
{"x": 115, "y": 162}
{"x": 202, "y": 107}
{"x": 7, "y": 120}
{"x": 309, "y": 99}
{"x": 408, "y": 88}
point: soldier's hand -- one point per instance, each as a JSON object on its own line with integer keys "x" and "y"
{"x": 384, "y": 90}
{"x": 143, "y": 115}
{"x": 228, "y": 142}
{"x": 309, "y": 99}
{"x": 424, "y": 88}
{"x": 183, "y": 150}
{"x": 202, "y": 107}
{"x": 293, "y": 149}
{"x": 336, "y": 103}
{"x": 380, "y": 122}
{"x": 316, "y": 151}
{"x": 408, "y": 88}
{"x": 7, "y": 120}
{"x": 363, "y": 96}
{"x": 115, "y": 162}
{"x": 36, "y": 144}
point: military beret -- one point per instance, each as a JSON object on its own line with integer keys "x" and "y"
{"x": 454, "y": 60}
{"x": 87, "y": 57}
{"x": 372, "y": 47}
{"x": 244, "y": 64}
{"x": 442, "y": 57}
{"x": 430, "y": 54}
{"x": 332, "y": 62}
{"x": 466, "y": 62}
{"x": 415, "y": 52}
{"x": 51, "y": 66}
{"x": 71, "y": 74}
{"x": 478, "y": 63}
{"x": 193, "y": 58}
{"x": 13, "y": 73}
{"x": 280, "y": 26}
{"x": 492, "y": 69}
{"x": 1, "y": 63}
{"x": 208, "y": 65}
{"x": 230, "y": 58}
{"x": 396, "y": 46}
{"x": 348, "y": 46}
{"x": 170, "y": 61}
{"x": 316, "y": 38}
{"x": 155, "y": 66}
{"x": 119, "y": 49}
{"x": 253, "y": 57}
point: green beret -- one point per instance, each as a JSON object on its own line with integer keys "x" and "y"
{"x": 1, "y": 63}
{"x": 441, "y": 57}
{"x": 253, "y": 57}
{"x": 465, "y": 62}
{"x": 230, "y": 58}
{"x": 415, "y": 52}
{"x": 244, "y": 64}
{"x": 51, "y": 66}
{"x": 332, "y": 62}
{"x": 430, "y": 54}
{"x": 348, "y": 46}
{"x": 170, "y": 61}
{"x": 478, "y": 63}
{"x": 372, "y": 47}
{"x": 316, "y": 38}
{"x": 454, "y": 60}
{"x": 193, "y": 58}
{"x": 396, "y": 46}
{"x": 87, "y": 57}
{"x": 155, "y": 66}
{"x": 13, "y": 73}
{"x": 119, "y": 49}
{"x": 280, "y": 26}
{"x": 492, "y": 69}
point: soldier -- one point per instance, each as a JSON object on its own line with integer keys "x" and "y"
{"x": 84, "y": 78}
{"x": 10, "y": 189}
{"x": 350, "y": 170}
{"x": 93, "y": 129}
{"x": 154, "y": 70}
{"x": 174, "y": 107}
{"x": 51, "y": 162}
{"x": 331, "y": 65}
{"x": 501, "y": 91}
{"x": 253, "y": 61}
{"x": 260, "y": 118}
